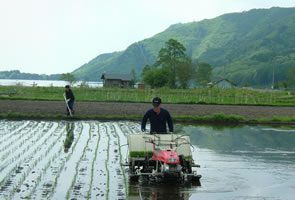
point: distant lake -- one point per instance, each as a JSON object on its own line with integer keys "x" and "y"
{"x": 45, "y": 83}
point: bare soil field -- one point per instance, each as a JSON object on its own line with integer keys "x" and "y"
{"x": 138, "y": 109}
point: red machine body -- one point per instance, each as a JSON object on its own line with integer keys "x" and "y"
{"x": 166, "y": 156}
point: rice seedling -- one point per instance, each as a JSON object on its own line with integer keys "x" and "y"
{"x": 63, "y": 162}
{"x": 9, "y": 131}
{"x": 45, "y": 168}
{"x": 78, "y": 163}
{"x": 16, "y": 136}
{"x": 106, "y": 165}
{"x": 92, "y": 165}
{"x": 33, "y": 137}
{"x": 121, "y": 159}
{"x": 31, "y": 159}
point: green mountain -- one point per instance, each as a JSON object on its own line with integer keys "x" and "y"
{"x": 248, "y": 47}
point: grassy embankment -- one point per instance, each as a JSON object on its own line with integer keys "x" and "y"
{"x": 189, "y": 96}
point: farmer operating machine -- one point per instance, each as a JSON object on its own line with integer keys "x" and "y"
{"x": 161, "y": 157}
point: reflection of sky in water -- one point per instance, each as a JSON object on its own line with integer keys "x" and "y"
{"x": 241, "y": 138}
{"x": 229, "y": 176}
{"x": 241, "y": 163}
{"x": 276, "y": 129}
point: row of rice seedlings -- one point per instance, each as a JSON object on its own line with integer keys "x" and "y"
{"x": 134, "y": 127}
{"x": 8, "y": 162}
{"x": 44, "y": 187}
{"x": 93, "y": 161}
{"x": 53, "y": 150}
{"x": 106, "y": 163}
{"x": 125, "y": 130}
{"x": 38, "y": 179}
{"x": 16, "y": 140}
{"x": 16, "y": 135}
{"x": 62, "y": 164}
{"x": 18, "y": 173}
{"x": 3, "y": 128}
{"x": 120, "y": 125}
{"x": 118, "y": 190}
{"x": 99, "y": 184}
{"x": 20, "y": 149}
{"x": 9, "y": 128}
{"x": 130, "y": 128}
{"x": 121, "y": 158}
{"x": 67, "y": 177}
{"x": 78, "y": 165}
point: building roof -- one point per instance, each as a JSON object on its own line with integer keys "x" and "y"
{"x": 123, "y": 77}
{"x": 220, "y": 80}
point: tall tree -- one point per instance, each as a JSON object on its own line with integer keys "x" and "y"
{"x": 68, "y": 77}
{"x": 145, "y": 70}
{"x": 157, "y": 77}
{"x": 185, "y": 72}
{"x": 204, "y": 73}
{"x": 171, "y": 57}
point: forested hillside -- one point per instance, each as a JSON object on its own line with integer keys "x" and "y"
{"x": 245, "y": 47}
{"x": 16, "y": 74}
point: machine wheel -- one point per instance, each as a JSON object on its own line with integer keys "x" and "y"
{"x": 181, "y": 160}
{"x": 185, "y": 164}
{"x": 146, "y": 164}
{"x": 189, "y": 167}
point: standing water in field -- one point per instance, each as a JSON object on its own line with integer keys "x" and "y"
{"x": 81, "y": 160}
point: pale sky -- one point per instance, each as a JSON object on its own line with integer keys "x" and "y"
{"x": 58, "y": 36}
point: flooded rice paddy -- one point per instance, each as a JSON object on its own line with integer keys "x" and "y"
{"x": 81, "y": 160}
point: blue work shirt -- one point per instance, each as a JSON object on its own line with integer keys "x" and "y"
{"x": 158, "y": 121}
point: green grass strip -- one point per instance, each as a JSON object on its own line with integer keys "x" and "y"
{"x": 224, "y": 96}
{"x": 214, "y": 118}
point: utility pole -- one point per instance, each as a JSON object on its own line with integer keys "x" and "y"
{"x": 224, "y": 68}
{"x": 273, "y": 76}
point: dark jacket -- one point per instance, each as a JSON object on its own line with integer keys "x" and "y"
{"x": 158, "y": 122}
{"x": 70, "y": 95}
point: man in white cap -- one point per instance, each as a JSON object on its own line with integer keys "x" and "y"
{"x": 158, "y": 118}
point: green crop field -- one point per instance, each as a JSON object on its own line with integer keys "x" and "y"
{"x": 236, "y": 96}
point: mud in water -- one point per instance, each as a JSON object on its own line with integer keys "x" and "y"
{"x": 81, "y": 160}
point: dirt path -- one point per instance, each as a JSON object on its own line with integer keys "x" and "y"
{"x": 138, "y": 109}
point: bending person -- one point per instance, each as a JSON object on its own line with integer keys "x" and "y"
{"x": 70, "y": 99}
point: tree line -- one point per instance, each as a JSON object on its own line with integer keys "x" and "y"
{"x": 174, "y": 69}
